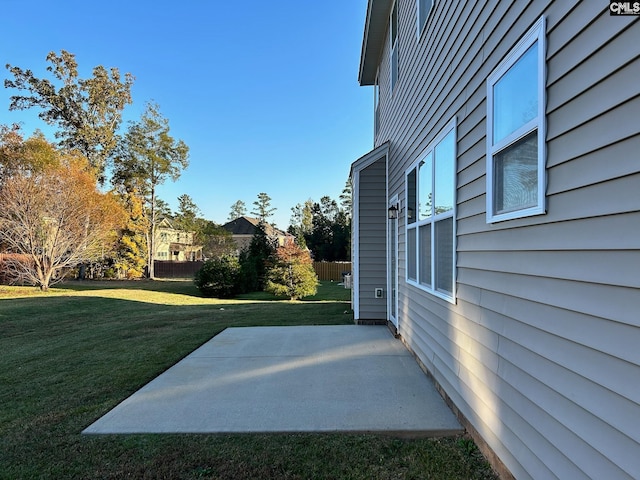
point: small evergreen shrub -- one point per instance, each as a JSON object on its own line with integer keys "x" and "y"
{"x": 218, "y": 277}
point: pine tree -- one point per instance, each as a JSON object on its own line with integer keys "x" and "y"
{"x": 263, "y": 209}
{"x": 238, "y": 209}
{"x": 253, "y": 261}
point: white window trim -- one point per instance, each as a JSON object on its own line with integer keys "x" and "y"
{"x": 452, "y": 125}
{"x": 535, "y": 34}
{"x": 422, "y": 28}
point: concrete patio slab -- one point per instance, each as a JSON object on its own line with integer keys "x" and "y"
{"x": 344, "y": 378}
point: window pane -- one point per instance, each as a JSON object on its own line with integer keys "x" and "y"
{"x": 394, "y": 24}
{"x": 444, "y": 255}
{"x": 411, "y": 254}
{"x": 411, "y": 196}
{"x": 445, "y": 174}
{"x": 394, "y": 45}
{"x": 516, "y": 175}
{"x": 423, "y": 10}
{"x": 425, "y": 179}
{"x": 515, "y": 96}
{"x": 425, "y": 255}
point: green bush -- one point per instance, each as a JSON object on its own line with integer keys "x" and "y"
{"x": 110, "y": 273}
{"x": 218, "y": 277}
{"x": 292, "y": 274}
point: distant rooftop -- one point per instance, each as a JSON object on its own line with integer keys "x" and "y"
{"x": 247, "y": 226}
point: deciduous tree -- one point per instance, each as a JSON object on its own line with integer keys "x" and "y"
{"x": 55, "y": 219}
{"x": 292, "y": 273}
{"x": 24, "y": 156}
{"x": 87, "y": 111}
{"x": 215, "y": 240}
{"x": 148, "y": 157}
{"x": 131, "y": 251}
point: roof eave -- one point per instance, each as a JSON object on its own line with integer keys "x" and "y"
{"x": 368, "y": 158}
{"x": 375, "y": 30}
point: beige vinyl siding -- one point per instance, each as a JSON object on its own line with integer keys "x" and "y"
{"x": 540, "y": 351}
{"x": 372, "y": 240}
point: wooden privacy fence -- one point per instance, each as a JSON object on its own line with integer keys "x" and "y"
{"x": 331, "y": 270}
{"x": 171, "y": 269}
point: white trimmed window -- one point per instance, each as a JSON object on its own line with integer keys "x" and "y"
{"x": 423, "y": 7}
{"x": 430, "y": 225}
{"x": 393, "y": 30}
{"x": 516, "y": 179}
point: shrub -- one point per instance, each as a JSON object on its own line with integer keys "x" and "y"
{"x": 110, "y": 273}
{"x": 292, "y": 273}
{"x": 218, "y": 277}
{"x": 253, "y": 261}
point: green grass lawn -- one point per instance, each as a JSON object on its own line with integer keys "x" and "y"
{"x": 70, "y": 355}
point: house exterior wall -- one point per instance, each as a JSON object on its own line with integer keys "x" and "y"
{"x": 167, "y": 236}
{"x": 372, "y": 271}
{"x": 539, "y": 350}
{"x": 242, "y": 242}
{"x": 175, "y": 245}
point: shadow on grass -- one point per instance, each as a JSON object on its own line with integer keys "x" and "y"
{"x": 69, "y": 358}
{"x": 182, "y": 287}
{"x": 327, "y": 291}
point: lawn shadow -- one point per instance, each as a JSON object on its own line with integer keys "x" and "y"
{"x": 328, "y": 291}
{"x": 182, "y": 287}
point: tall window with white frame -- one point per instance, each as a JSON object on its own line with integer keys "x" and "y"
{"x": 516, "y": 154}
{"x": 423, "y": 7}
{"x": 393, "y": 35}
{"x": 430, "y": 225}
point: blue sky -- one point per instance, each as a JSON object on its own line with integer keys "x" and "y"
{"x": 265, "y": 94}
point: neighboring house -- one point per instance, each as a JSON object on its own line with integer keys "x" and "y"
{"x": 243, "y": 228}
{"x": 507, "y": 149}
{"x": 174, "y": 244}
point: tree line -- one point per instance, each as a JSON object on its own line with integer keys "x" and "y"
{"x": 90, "y": 196}
{"x": 94, "y": 158}
{"x": 324, "y": 227}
